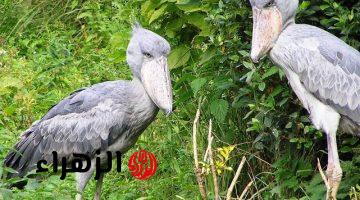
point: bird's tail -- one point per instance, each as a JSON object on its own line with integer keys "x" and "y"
{"x": 20, "y": 157}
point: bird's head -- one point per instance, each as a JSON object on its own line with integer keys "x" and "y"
{"x": 270, "y": 17}
{"x": 147, "y": 56}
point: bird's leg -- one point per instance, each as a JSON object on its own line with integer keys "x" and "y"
{"x": 81, "y": 181}
{"x": 333, "y": 171}
{"x": 98, "y": 187}
{"x": 323, "y": 118}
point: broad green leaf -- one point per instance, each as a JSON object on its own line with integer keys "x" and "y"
{"x": 189, "y": 5}
{"x": 262, "y": 86}
{"x": 207, "y": 56}
{"x": 219, "y": 109}
{"x": 198, "y": 19}
{"x": 149, "y": 7}
{"x": 173, "y": 27}
{"x": 248, "y": 65}
{"x": 179, "y": 56}
{"x": 158, "y": 13}
{"x": 197, "y": 84}
{"x": 305, "y": 4}
{"x": 273, "y": 70}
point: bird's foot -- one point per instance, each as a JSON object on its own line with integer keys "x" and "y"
{"x": 78, "y": 197}
{"x": 334, "y": 175}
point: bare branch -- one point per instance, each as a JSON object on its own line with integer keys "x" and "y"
{"x": 245, "y": 190}
{"x": 211, "y": 158}
{"x": 233, "y": 182}
{"x": 198, "y": 172}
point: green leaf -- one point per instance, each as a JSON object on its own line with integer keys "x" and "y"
{"x": 248, "y": 65}
{"x": 173, "y": 27}
{"x": 158, "y": 13}
{"x": 189, "y": 5}
{"x": 207, "y": 56}
{"x": 197, "y": 84}
{"x": 84, "y": 15}
{"x": 198, "y": 19}
{"x": 219, "y": 109}
{"x": 149, "y": 7}
{"x": 273, "y": 70}
{"x": 179, "y": 56}
{"x": 262, "y": 86}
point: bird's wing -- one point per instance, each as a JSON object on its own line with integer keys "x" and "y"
{"x": 82, "y": 123}
{"x": 330, "y": 69}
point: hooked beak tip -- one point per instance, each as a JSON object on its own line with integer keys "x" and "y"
{"x": 168, "y": 112}
{"x": 255, "y": 58}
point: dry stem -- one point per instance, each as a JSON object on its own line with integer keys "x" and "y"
{"x": 245, "y": 190}
{"x": 211, "y": 158}
{"x": 198, "y": 172}
{"x": 233, "y": 182}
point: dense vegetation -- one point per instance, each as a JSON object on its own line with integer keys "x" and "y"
{"x": 50, "y": 48}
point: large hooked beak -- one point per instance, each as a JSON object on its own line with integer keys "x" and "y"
{"x": 267, "y": 26}
{"x": 155, "y": 77}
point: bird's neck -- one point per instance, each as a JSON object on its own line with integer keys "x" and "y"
{"x": 135, "y": 72}
{"x": 288, "y": 23}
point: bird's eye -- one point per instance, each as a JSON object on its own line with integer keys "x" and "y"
{"x": 148, "y": 55}
{"x": 270, "y": 4}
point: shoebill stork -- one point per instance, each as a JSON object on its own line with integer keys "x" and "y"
{"x": 323, "y": 71}
{"x": 108, "y": 116}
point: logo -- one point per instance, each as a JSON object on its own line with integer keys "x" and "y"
{"x": 142, "y": 165}
{"x": 78, "y": 162}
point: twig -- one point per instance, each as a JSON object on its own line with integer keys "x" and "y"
{"x": 323, "y": 175}
{"x": 211, "y": 158}
{"x": 257, "y": 193}
{"x": 207, "y": 151}
{"x": 245, "y": 190}
{"x": 233, "y": 182}
{"x": 198, "y": 173}
{"x": 206, "y": 156}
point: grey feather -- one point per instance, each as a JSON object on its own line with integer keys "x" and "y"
{"x": 88, "y": 120}
{"x": 328, "y": 67}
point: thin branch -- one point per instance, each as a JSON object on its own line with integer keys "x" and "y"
{"x": 196, "y": 121}
{"x": 233, "y": 182}
{"x": 206, "y": 156}
{"x": 323, "y": 175}
{"x": 245, "y": 190}
{"x": 211, "y": 158}
{"x": 198, "y": 173}
{"x": 257, "y": 193}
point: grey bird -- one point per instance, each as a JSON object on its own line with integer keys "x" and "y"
{"x": 322, "y": 70}
{"x": 108, "y": 116}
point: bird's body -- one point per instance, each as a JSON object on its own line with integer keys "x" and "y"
{"x": 322, "y": 70}
{"x": 106, "y": 117}
{"x": 327, "y": 68}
